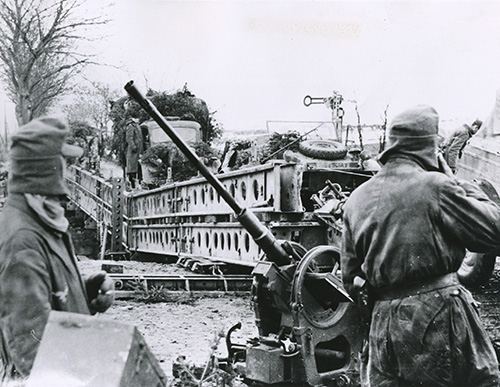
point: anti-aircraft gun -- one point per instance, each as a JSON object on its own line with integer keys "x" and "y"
{"x": 310, "y": 331}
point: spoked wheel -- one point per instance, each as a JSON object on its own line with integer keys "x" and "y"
{"x": 322, "y": 308}
{"x": 321, "y": 303}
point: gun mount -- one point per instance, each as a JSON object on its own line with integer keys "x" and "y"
{"x": 309, "y": 328}
{"x": 334, "y": 103}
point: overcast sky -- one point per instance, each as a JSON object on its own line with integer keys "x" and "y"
{"x": 255, "y": 61}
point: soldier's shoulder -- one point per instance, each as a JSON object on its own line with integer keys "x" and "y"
{"x": 456, "y": 132}
{"x": 436, "y": 180}
{"x": 464, "y": 129}
{"x": 17, "y": 243}
{"x": 360, "y": 193}
{"x": 25, "y": 237}
{"x": 131, "y": 122}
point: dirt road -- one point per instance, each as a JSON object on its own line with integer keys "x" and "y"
{"x": 489, "y": 298}
{"x": 185, "y": 326}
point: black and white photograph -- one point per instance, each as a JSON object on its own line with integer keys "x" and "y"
{"x": 249, "y": 193}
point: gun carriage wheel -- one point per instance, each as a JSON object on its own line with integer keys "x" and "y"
{"x": 326, "y": 323}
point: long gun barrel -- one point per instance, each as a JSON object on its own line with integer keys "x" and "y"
{"x": 260, "y": 233}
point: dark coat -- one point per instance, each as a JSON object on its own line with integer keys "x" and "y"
{"x": 408, "y": 224}
{"x": 38, "y": 273}
{"x": 455, "y": 144}
{"x": 404, "y": 226}
{"x": 133, "y": 137}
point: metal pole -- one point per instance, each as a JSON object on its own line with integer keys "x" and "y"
{"x": 117, "y": 215}
{"x": 261, "y": 235}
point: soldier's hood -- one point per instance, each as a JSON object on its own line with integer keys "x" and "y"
{"x": 413, "y": 134}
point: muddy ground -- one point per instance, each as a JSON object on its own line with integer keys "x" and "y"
{"x": 185, "y": 326}
{"x": 489, "y": 298}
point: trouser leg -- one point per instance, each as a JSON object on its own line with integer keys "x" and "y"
{"x": 132, "y": 179}
{"x": 434, "y": 339}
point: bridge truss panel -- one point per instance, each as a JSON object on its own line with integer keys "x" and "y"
{"x": 189, "y": 218}
{"x": 257, "y": 187}
{"x": 223, "y": 241}
{"x": 103, "y": 201}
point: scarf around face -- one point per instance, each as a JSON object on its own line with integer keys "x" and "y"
{"x": 49, "y": 210}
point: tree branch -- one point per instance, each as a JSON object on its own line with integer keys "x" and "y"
{"x": 38, "y": 49}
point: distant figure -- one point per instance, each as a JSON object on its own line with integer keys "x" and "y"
{"x": 455, "y": 144}
{"x": 94, "y": 154}
{"x": 134, "y": 141}
{"x": 214, "y": 164}
{"x": 38, "y": 270}
{"x": 368, "y": 163}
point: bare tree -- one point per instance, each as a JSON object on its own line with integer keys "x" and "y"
{"x": 92, "y": 105}
{"x": 360, "y": 131}
{"x": 384, "y": 131}
{"x": 38, "y": 51}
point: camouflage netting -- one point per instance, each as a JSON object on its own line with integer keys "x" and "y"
{"x": 160, "y": 157}
{"x": 182, "y": 104}
{"x": 280, "y": 140}
{"x": 79, "y": 132}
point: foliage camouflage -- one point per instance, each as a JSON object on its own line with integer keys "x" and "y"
{"x": 251, "y": 152}
{"x": 182, "y": 104}
{"x": 279, "y": 141}
{"x": 79, "y": 131}
{"x": 161, "y": 156}
{"x": 118, "y": 116}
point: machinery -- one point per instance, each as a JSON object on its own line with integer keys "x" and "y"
{"x": 310, "y": 330}
{"x": 334, "y": 103}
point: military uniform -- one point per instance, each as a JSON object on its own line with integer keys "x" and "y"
{"x": 455, "y": 144}
{"x": 133, "y": 137}
{"x": 405, "y": 232}
{"x": 38, "y": 271}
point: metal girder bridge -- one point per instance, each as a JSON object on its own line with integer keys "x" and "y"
{"x": 102, "y": 201}
{"x": 189, "y": 218}
{"x": 181, "y": 282}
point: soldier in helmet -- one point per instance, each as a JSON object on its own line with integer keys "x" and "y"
{"x": 38, "y": 271}
{"x": 405, "y": 235}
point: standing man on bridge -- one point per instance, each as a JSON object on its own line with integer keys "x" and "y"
{"x": 455, "y": 144}
{"x": 405, "y": 234}
{"x": 134, "y": 140}
{"x": 38, "y": 271}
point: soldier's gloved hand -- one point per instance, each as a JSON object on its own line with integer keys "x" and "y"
{"x": 100, "y": 291}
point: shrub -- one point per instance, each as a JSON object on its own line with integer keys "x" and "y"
{"x": 162, "y": 156}
{"x": 182, "y": 104}
{"x": 278, "y": 141}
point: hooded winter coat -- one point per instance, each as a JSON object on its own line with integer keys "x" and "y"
{"x": 406, "y": 225}
{"x": 133, "y": 137}
{"x": 38, "y": 273}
